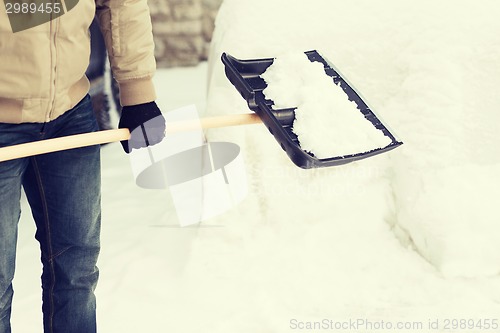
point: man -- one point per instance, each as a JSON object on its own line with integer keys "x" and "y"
{"x": 43, "y": 94}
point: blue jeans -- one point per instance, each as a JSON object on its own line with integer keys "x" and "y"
{"x": 63, "y": 190}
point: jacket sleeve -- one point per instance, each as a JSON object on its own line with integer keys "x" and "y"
{"x": 127, "y": 30}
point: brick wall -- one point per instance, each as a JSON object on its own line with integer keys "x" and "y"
{"x": 183, "y": 30}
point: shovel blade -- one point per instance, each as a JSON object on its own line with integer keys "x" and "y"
{"x": 245, "y": 77}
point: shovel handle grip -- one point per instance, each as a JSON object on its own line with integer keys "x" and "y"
{"x": 121, "y": 134}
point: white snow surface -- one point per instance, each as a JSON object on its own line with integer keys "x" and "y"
{"x": 326, "y": 122}
{"x": 431, "y": 72}
{"x": 411, "y": 235}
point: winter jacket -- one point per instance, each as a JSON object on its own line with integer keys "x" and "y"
{"x": 42, "y": 69}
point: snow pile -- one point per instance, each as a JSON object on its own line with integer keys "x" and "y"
{"x": 326, "y": 122}
{"x": 432, "y": 72}
{"x": 460, "y": 234}
{"x": 446, "y": 111}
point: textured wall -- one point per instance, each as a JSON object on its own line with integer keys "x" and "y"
{"x": 183, "y": 30}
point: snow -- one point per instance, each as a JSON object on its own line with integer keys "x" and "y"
{"x": 410, "y": 235}
{"x": 431, "y": 72}
{"x": 326, "y": 123}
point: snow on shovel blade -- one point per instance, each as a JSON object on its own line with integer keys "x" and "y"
{"x": 245, "y": 75}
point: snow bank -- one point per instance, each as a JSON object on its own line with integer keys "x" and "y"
{"x": 432, "y": 72}
{"x": 447, "y": 106}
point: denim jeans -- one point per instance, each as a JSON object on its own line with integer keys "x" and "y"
{"x": 63, "y": 190}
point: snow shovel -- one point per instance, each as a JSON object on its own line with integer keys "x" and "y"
{"x": 245, "y": 76}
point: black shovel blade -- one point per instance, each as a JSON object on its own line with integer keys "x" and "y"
{"x": 245, "y": 76}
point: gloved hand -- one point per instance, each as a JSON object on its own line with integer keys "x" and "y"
{"x": 146, "y": 124}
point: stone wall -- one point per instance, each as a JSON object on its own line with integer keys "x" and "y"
{"x": 183, "y": 30}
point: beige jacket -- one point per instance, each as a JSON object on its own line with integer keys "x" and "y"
{"x": 42, "y": 69}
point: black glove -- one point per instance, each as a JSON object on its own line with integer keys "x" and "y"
{"x": 146, "y": 124}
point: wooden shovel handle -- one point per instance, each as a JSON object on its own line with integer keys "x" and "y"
{"x": 101, "y": 137}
